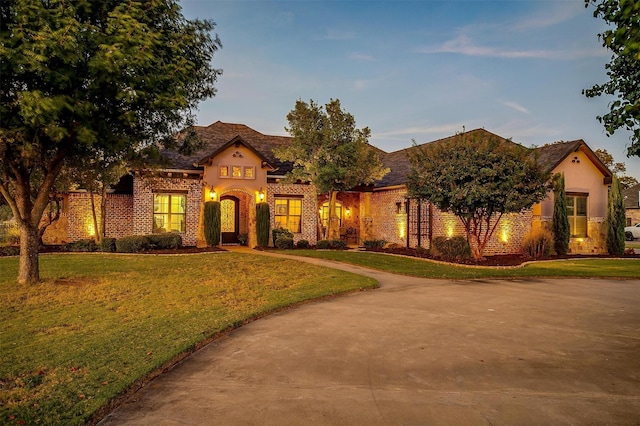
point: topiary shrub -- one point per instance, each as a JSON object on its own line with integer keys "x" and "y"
{"x": 166, "y": 241}
{"x": 280, "y": 232}
{"x": 263, "y": 224}
{"x": 373, "y": 244}
{"x": 451, "y": 248}
{"x": 86, "y": 245}
{"x": 537, "y": 244}
{"x": 132, "y": 244}
{"x": 107, "y": 245}
{"x": 212, "y": 223}
{"x": 284, "y": 242}
{"x": 302, "y": 244}
{"x": 323, "y": 245}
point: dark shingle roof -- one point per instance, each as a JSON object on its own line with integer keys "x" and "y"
{"x": 631, "y": 196}
{"x": 398, "y": 161}
{"x": 218, "y": 134}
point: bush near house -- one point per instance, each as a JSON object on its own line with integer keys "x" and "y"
{"x": 164, "y": 241}
{"x": 86, "y": 245}
{"x": 108, "y": 245}
{"x": 302, "y": 244}
{"x": 371, "y": 244}
{"x": 280, "y": 232}
{"x": 537, "y": 244}
{"x": 284, "y": 242}
{"x": 132, "y": 244}
{"x": 451, "y": 248}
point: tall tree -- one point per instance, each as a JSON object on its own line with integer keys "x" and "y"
{"x": 618, "y": 168}
{"x": 85, "y": 78}
{"x": 560, "y": 223}
{"x": 478, "y": 178}
{"x": 328, "y": 150}
{"x": 616, "y": 219}
{"x": 623, "y": 39}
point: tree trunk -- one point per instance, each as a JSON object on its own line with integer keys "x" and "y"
{"x": 333, "y": 228}
{"x": 29, "y": 271}
{"x": 96, "y": 225}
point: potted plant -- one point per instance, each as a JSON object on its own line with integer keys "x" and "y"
{"x": 242, "y": 238}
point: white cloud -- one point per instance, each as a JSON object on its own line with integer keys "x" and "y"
{"x": 517, "y": 107}
{"x": 551, "y": 14}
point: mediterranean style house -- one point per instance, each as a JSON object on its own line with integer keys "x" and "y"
{"x": 237, "y": 167}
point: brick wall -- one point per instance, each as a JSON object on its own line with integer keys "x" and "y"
{"x": 386, "y": 223}
{"x": 309, "y": 224}
{"x": 119, "y": 215}
{"x": 143, "y": 190}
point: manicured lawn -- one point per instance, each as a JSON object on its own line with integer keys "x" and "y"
{"x": 614, "y": 268}
{"x": 633, "y": 244}
{"x": 100, "y": 323}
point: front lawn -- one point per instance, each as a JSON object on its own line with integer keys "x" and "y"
{"x": 609, "y": 268}
{"x": 98, "y": 324}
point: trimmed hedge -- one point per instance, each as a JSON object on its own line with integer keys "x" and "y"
{"x": 284, "y": 242}
{"x": 302, "y": 244}
{"x": 86, "y": 245}
{"x": 331, "y": 244}
{"x": 165, "y": 241}
{"x": 108, "y": 245}
{"x": 132, "y": 244}
{"x": 372, "y": 244}
{"x": 280, "y": 232}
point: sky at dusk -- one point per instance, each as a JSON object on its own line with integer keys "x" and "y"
{"x": 415, "y": 70}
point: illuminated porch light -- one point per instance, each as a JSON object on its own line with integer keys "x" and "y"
{"x": 213, "y": 194}
{"x": 261, "y": 195}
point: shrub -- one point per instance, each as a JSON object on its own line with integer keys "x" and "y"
{"x": 212, "y": 220}
{"x": 423, "y": 251}
{"x": 560, "y": 224}
{"x": 9, "y": 251}
{"x": 615, "y": 219}
{"x": 87, "y": 245}
{"x": 451, "y": 248}
{"x": 373, "y": 244}
{"x": 166, "y": 241}
{"x": 302, "y": 244}
{"x": 263, "y": 223}
{"x": 537, "y": 244}
{"x": 281, "y": 232}
{"x": 132, "y": 244}
{"x": 338, "y": 244}
{"x": 323, "y": 245}
{"x": 284, "y": 242}
{"x": 108, "y": 245}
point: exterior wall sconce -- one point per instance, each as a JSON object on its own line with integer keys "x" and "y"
{"x": 348, "y": 211}
{"x": 261, "y": 195}
{"x": 212, "y": 194}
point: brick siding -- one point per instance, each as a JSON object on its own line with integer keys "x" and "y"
{"x": 309, "y": 225}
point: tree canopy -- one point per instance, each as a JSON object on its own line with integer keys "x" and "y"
{"x": 623, "y": 40}
{"x": 84, "y": 78}
{"x": 478, "y": 177}
{"x": 328, "y": 150}
{"x": 618, "y": 168}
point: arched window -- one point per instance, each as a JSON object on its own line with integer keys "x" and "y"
{"x": 324, "y": 213}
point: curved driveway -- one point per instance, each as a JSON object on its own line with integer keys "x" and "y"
{"x": 416, "y": 352}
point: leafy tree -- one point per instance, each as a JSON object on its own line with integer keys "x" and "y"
{"x": 623, "y": 39}
{"x": 478, "y": 178}
{"x": 560, "y": 222}
{"x": 82, "y": 79}
{"x": 616, "y": 219}
{"x": 328, "y": 150}
{"x": 617, "y": 168}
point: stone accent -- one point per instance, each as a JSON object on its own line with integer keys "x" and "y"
{"x": 143, "y": 190}
{"x": 595, "y": 243}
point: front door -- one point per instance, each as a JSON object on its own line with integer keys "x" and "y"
{"x": 230, "y": 219}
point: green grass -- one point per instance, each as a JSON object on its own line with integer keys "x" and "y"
{"x": 610, "y": 268}
{"x": 632, "y": 244}
{"x": 98, "y": 323}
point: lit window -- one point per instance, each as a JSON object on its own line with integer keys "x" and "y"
{"x": 577, "y": 214}
{"x": 169, "y": 213}
{"x": 249, "y": 172}
{"x": 236, "y": 171}
{"x": 324, "y": 213}
{"x": 289, "y": 214}
{"x": 224, "y": 171}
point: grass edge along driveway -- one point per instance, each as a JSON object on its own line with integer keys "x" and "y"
{"x": 425, "y": 268}
{"x": 99, "y": 325}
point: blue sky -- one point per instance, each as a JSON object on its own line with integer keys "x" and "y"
{"x": 415, "y": 69}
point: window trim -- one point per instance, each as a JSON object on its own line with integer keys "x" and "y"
{"x": 170, "y": 193}
{"x": 573, "y": 218}
{"x": 288, "y": 215}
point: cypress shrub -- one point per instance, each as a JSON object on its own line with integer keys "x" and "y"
{"x": 212, "y": 220}
{"x": 560, "y": 225}
{"x": 263, "y": 224}
{"x": 615, "y": 219}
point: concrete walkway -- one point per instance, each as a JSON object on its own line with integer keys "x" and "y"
{"x": 415, "y": 352}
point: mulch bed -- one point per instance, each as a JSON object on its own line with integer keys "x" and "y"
{"x": 497, "y": 260}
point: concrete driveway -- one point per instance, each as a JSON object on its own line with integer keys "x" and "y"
{"x": 418, "y": 352}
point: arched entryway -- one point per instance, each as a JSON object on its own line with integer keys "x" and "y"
{"x": 230, "y": 219}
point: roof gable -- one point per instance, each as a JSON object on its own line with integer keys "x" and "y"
{"x": 551, "y": 155}
{"x": 236, "y": 141}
